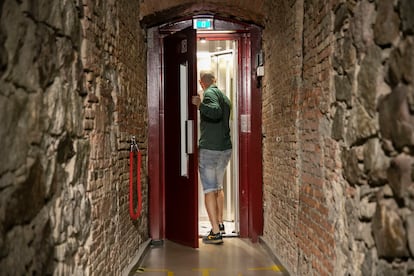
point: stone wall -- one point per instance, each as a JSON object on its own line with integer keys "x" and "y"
{"x": 373, "y": 123}
{"x": 72, "y": 92}
{"x": 45, "y": 209}
{"x": 337, "y": 126}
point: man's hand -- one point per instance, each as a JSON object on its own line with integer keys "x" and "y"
{"x": 196, "y": 100}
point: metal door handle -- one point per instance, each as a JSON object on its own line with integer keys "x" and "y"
{"x": 190, "y": 135}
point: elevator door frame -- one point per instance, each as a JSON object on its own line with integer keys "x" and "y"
{"x": 249, "y": 129}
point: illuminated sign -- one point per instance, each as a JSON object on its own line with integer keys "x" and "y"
{"x": 203, "y": 23}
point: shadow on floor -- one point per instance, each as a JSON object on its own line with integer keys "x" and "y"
{"x": 235, "y": 257}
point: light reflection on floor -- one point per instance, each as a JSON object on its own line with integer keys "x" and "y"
{"x": 235, "y": 257}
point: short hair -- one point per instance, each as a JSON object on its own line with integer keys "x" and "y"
{"x": 207, "y": 77}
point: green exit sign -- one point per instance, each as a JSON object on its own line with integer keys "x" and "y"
{"x": 203, "y": 23}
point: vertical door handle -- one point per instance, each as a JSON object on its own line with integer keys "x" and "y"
{"x": 190, "y": 135}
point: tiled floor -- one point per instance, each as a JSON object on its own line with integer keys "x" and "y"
{"x": 235, "y": 257}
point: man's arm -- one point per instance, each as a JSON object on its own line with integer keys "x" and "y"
{"x": 210, "y": 106}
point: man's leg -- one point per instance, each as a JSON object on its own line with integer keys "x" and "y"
{"x": 220, "y": 205}
{"x": 210, "y": 200}
{"x": 221, "y": 166}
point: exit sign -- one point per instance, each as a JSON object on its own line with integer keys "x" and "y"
{"x": 203, "y": 23}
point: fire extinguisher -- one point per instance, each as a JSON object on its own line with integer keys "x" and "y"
{"x": 134, "y": 153}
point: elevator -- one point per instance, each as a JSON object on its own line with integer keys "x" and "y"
{"x": 220, "y": 57}
{"x": 177, "y": 52}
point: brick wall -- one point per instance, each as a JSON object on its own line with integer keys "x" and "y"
{"x": 115, "y": 58}
{"x": 298, "y": 155}
{"x": 282, "y": 45}
{"x": 317, "y": 214}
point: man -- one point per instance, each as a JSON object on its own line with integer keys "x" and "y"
{"x": 214, "y": 151}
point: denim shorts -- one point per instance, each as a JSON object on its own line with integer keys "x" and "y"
{"x": 212, "y": 165}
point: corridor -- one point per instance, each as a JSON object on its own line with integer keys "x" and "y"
{"x": 321, "y": 178}
{"x": 235, "y": 257}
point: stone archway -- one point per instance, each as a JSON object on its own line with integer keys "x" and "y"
{"x": 156, "y": 13}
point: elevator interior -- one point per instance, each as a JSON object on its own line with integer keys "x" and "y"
{"x": 220, "y": 57}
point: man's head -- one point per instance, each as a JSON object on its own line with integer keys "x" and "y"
{"x": 206, "y": 79}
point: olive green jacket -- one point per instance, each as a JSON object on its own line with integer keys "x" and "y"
{"x": 214, "y": 120}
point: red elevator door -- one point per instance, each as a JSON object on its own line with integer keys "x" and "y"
{"x": 180, "y": 134}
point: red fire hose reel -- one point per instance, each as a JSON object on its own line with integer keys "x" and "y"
{"x": 135, "y": 154}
